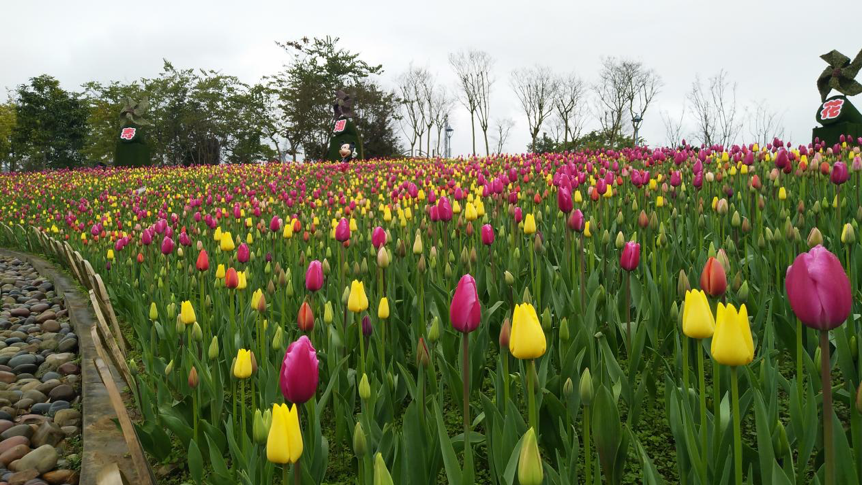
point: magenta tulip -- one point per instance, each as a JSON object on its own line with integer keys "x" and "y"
{"x": 564, "y": 200}
{"x": 465, "y": 310}
{"x": 167, "y": 246}
{"x": 818, "y": 289}
{"x": 444, "y": 210}
{"x": 487, "y": 235}
{"x": 147, "y": 237}
{"x": 342, "y": 231}
{"x": 378, "y": 237}
{"x": 631, "y": 256}
{"x": 839, "y": 173}
{"x": 576, "y": 221}
{"x": 314, "y": 276}
{"x": 299, "y": 371}
{"x": 275, "y": 224}
{"x": 243, "y": 253}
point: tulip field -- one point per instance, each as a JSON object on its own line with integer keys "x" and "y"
{"x": 646, "y": 315}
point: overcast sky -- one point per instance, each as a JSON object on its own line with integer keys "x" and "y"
{"x": 770, "y": 48}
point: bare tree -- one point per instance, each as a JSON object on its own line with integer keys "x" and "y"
{"x": 536, "y": 89}
{"x": 441, "y": 108}
{"x": 715, "y": 109}
{"x": 411, "y": 86}
{"x": 625, "y": 89}
{"x": 764, "y": 124}
{"x": 502, "y": 127}
{"x": 570, "y": 106}
{"x": 673, "y": 127}
{"x": 475, "y": 79}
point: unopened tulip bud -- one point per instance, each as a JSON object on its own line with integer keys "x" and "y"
{"x": 169, "y": 368}
{"x": 546, "y": 319}
{"x": 817, "y": 362}
{"x": 815, "y": 238}
{"x": 736, "y": 219}
{"x": 154, "y": 312}
{"x": 328, "y": 313}
{"x": 674, "y": 311}
{"x": 527, "y": 298}
{"x": 779, "y": 440}
{"x": 448, "y": 271}
{"x": 530, "y": 471}
{"x": 197, "y": 333}
{"x": 683, "y": 284}
{"x": 364, "y": 388}
{"x": 568, "y": 387}
{"x": 259, "y": 430}
{"x": 859, "y": 399}
{"x": 742, "y": 293}
{"x": 586, "y": 388}
{"x": 345, "y": 296}
{"x": 848, "y": 234}
{"x": 510, "y": 280}
{"x": 193, "y": 378}
{"x": 564, "y": 329}
{"x": 181, "y": 327}
{"x": 382, "y": 258}
{"x": 620, "y": 241}
{"x": 360, "y": 443}
{"x": 278, "y": 339}
{"x": 423, "y": 357}
{"x": 212, "y": 352}
{"x": 381, "y": 473}
{"x": 434, "y": 331}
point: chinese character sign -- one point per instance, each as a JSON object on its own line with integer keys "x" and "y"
{"x": 128, "y": 133}
{"x": 831, "y": 109}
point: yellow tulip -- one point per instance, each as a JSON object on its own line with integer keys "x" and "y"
{"x": 187, "y": 313}
{"x": 357, "y": 301}
{"x": 110, "y": 255}
{"x": 217, "y": 234}
{"x": 529, "y": 224}
{"x": 383, "y": 309}
{"x": 587, "y": 232}
{"x": 255, "y": 297}
{"x": 288, "y": 231}
{"x": 697, "y": 319}
{"x": 470, "y": 213}
{"x": 242, "y": 367}
{"x": 732, "y": 343}
{"x": 243, "y": 282}
{"x": 527, "y": 340}
{"x": 659, "y": 201}
{"x": 782, "y": 194}
{"x": 226, "y": 244}
{"x": 578, "y": 197}
{"x": 220, "y": 272}
{"x": 353, "y": 226}
{"x": 154, "y": 312}
{"x": 284, "y": 443}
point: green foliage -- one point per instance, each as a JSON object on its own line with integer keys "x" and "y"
{"x": 50, "y": 126}
{"x": 593, "y": 140}
{"x": 7, "y": 126}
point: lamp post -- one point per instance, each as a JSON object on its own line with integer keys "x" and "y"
{"x": 449, "y": 131}
{"x": 637, "y": 122}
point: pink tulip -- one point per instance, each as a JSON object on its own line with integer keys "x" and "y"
{"x": 147, "y": 237}
{"x": 839, "y": 173}
{"x": 378, "y": 237}
{"x": 314, "y": 276}
{"x": 444, "y": 210}
{"x": 243, "y": 253}
{"x": 167, "y": 245}
{"x": 465, "y": 310}
{"x": 631, "y": 256}
{"x": 275, "y": 224}
{"x": 487, "y": 235}
{"x": 575, "y": 221}
{"x": 564, "y": 200}
{"x": 342, "y": 230}
{"x": 818, "y": 289}
{"x": 299, "y": 372}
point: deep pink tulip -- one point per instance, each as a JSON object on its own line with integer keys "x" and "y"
{"x": 818, "y": 289}
{"x": 487, "y": 235}
{"x": 342, "y": 231}
{"x": 564, "y": 200}
{"x": 167, "y": 245}
{"x": 299, "y": 371}
{"x": 601, "y": 186}
{"x": 519, "y": 215}
{"x": 314, "y": 276}
{"x": 840, "y": 174}
{"x": 147, "y": 237}
{"x": 465, "y": 312}
{"x": 243, "y": 253}
{"x": 631, "y": 256}
{"x": 378, "y": 237}
{"x": 275, "y": 224}
{"x": 576, "y": 221}
{"x": 444, "y": 209}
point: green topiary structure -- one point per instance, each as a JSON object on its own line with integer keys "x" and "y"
{"x": 132, "y": 149}
{"x": 345, "y": 144}
{"x": 836, "y": 113}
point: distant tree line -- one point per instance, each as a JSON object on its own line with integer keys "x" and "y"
{"x": 202, "y": 116}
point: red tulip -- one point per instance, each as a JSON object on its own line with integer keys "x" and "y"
{"x": 231, "y": 279}
{"x": 378, "y": 237}
{"x": 314, "y": 276}
{"x": 305, "y": 318}
{"x": 465, "y": 310}
{"x": 243, "y": 254}
{"x": 203, "y": 262}
{"x": 342, "y": 231}
{"x": 167, "y": 245}
{"x": 487, "y": 235}
{"x": 564, "y": 200}
{"x": 631, "y": 256}
{"x": 839, "y": 173}
{"x": 299, "y": 372}
{"x": 818, "y": 289}
{"x": 713, "y": 280}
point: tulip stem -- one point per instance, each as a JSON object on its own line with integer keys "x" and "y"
{"x": 583, "y": 288}
{"x": 685, "y": 345}
{"x": 195, "y": 411}
{"x": 826, "y": 382}
{"x": 242, "y": 412}
{"x": 702, "y": 395}
{"x": 588, "y": 452}
{"x": 286, "y": 478}
{"x": 629, "y": 312}
{"x": 737, "y": 434}
{"x": 465, "y": 365}
{"x": 361, "y": 346}
{"x": 799, "y": 358}
{"x": 716, "y": 407}
{"x": 504, "y": 355}
{"x": 531, "y": 393}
